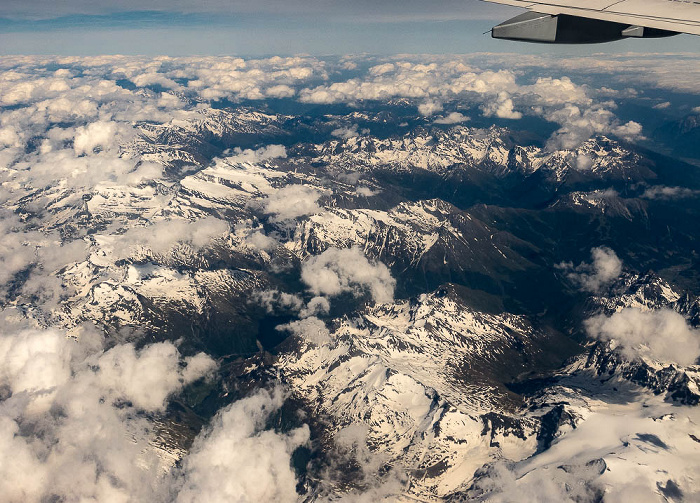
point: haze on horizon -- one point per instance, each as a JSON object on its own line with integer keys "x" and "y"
{"x": 245, "y": 28}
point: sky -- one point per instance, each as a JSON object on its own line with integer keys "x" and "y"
{"x": 267, "y": 27}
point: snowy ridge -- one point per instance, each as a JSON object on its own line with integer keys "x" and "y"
{"x": 606, "y": 202}
{"x": 491, "y": 151}
{"x": 422, "y": 376}
{"x": 194, "y": 141}
{"x": 403, "y": 371}
{"x": 645, "y": 292}
{"x": 432, "y": 235}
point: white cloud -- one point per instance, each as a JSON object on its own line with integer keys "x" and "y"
{"x": 153, "y": 78}
{"x": 336, "y": 271}
{"x": 429, "y": 108}
{"x": 501, "y": 107}
{"x": 52, "y": 97}
{"x": 160, "y": 237}
{"x": 578, "y": 125}
{"x": 431, "y": 83}
{"x": 274, "y": 301}
{"x": 259, "y": 155}
{"x": 41, "y": 254}
{"x": 551, "y": 91}
{"x": 237, "y": 459}
{"x": 345, "y": 132}
{"x": 75, "y": 420}
{"x": 72, "y": 415}
{"x": 583, "y": 162}
{"x": 363, "y": 190}
{"x": 662, "y": 106}
{"x": 261, "y": 241}
{"x": 280, "y": 91}
{"x": 382, "y": 69}
{"x": 292, "y": 201}
{"x": 310, "y": 329}
{"x": 605, "y": 268}
{"x": 662, "y": 334}
{"x": 668, "y": 193}
{"x": 629, "y": 131}
{"x": 147, "y": 377}
{"x": 16, "y": 249}
{"x": 452, "y": 118}
{"x": 235, "y": 78}
{"x": 317, "y": 305}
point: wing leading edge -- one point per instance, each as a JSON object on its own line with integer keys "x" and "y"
{"x": 592, "y": 21}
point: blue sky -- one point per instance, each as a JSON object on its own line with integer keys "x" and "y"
{"x": 265, "y": 27}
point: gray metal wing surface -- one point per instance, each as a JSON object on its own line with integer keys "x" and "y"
{"x": 599, "y": 19}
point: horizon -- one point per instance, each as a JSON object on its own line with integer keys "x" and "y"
{"x": 212, "y": 30}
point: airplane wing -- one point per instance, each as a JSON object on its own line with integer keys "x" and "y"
{"x": 599, "y": 19}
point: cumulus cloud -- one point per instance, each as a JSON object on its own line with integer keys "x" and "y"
{"x": 628, "y": 131}
{"x": 363, "y": 190}
{"x": 100, "y": 135}
{"x": 274, "y": 301}
{"x": 428, "y": 83}
{"x": 147, "y": 377}
{"x": 16, "y": 249}
{"x": 152, "y": 78}
{"x": 73, "y": 415}
{"x": 36, "y": 256}
{"x": 237, "y": 459}
{"x": 77, "y": 422}
{"x": 292, "y": 201}
{"x": 89, "y": 406}
{"x": 236, "y": 78}
{"x": 668, "y": 193}
{"x": 429, "y": 108}
{"x": 331, "y": 273}
{"x": 592, "y": 277}
{"x": 75, "y": 418}
{"x": 580, "y": 124}
{"x": 254, "y": 156}
{"x": 345, "y": 132}
{"x": 373, "y": 482}
{"x": 336, "y": 271}
{"x": 553, "y": 91}
{"x": 161, "y": 236}
{"x": 501, "y": 107}
{"x": 317, "y": 305}
{"x": 92, "y": 94}
{"x": 583, "y": 162}
{"x": 310, "y": 329}
{"x": 663, "y": 335}
{"x": 452, "y": 118}
{"x": 499, "y": 483}
{"x": 262, "y": 241}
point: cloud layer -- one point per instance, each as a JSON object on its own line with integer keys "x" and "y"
{"x": 238, "y": 459}
{"x": 662, "y": 335}
{"x": 74, "y": 415}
